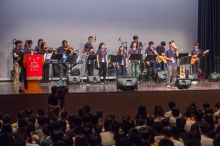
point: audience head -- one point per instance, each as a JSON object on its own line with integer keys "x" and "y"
{"x": 165, "y": 121}
{"x": 107, "y": 123}
{"x": 115, "y": 126}
{"x": 150, "y": 121}
{"x": 168, "y": 131}
{"x": 63, "y": 114}
{"x": 86, "y": 118}
{"x": 134, "y": 136}
{"x": 194, "y": 134}
{"x": 87, "y": 129}
{"x": 198, "y": 115}
{"x": 145, "y": 133}
{"x": 41, "y": 120}
{"x": 204, "y": 128}
{"x": 6, "y": 119}
{"x": 95, "y": 140}
{"x": 175, "y": 112}
{"x": 6, "y": 128}
{"x": 180, "y": 122}
{"x": 77, "y": 120}
{"x": 98, "y": 129}
{"x": 56, "y": 135}
{"x": 54, "y": 89}
{"x": 217, "y": 106}
{"x": 188, "y": 114}
{"x": 40, "y": 112}
{"x": 71, "y": 121}
{"x": 165, "y": 142}
{"x": 87, "y": 108}
{"x": 100, "y": 113}
{"x": 193, "y": 142}
{"x": 157, "y": 127}
{"x": 31, "y": 118}
{"x": 81, "y": 140}
{"x": 208, "y": 111}
{"x": 81, "y": 112}
{"x": 159, "y": 112}
{"x": 171, "y": 104}
{"x": 78, "y": 130}
{"x": 22, "y": 122}
{"x": 206, "y": 105}
{"x": 28, "y": 112}
{"x": 216, "y": 141}
{"x": 67, "y": 140}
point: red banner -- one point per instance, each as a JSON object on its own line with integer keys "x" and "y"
{"x": 34, "y": 66}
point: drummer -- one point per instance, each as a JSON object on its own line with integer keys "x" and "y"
{"x": 90, "y": 63}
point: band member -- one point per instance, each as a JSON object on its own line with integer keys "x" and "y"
{"x": 151, "y": 65}
{"x": 28, "y": 48}
{"x": 138, "y": 43}
{"x": 90, "y": 63}
{"x": 21, "y": 78}
{"x": 171, "y": 55}
{"x": 194, "y": 53}
{"x": 47, "y": 51}
{"x": 123, "y": 64}
{"x": 66, "y": 50}
{"x": 86, "y": 49}
{"x": 161, "y": 50}
{"x": 102, "y": 61}
{"x": 134, "y": 63}
{"x": 25, "y": 45}
{"x": 38, "y": 47}
{"x": 17, "y": 68}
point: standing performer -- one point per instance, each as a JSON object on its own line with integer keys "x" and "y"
{"x": 171, "y": 55}
{"x": 47, "y": 51}
{"x": 28, "y": 46}
{"x": 102, "y": 61}
{"x": 138, "y": 43}
{"x": 161, "y": 50}
{"x": 90, "y": 63}
{"x": 194, "y": 53}
{"x": 38, "y": 47}
{"x": 86, "y": 49}
{"x": 134, "y": 63}
{"x": 123, "y": 64}
{"x": 151, "y": 65}
{"x": 17, "y": 68}
{"x": 66, "y": 50}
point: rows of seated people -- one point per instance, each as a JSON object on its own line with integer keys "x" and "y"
{"x": 192, "y": 128}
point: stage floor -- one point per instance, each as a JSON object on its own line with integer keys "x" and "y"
{"x": 10, "y": 88}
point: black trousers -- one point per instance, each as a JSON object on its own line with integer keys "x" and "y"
{"x": 195, "y": 67}
{"x": 103, "y": 70}
{"x": 45, "y": 77}
{"x": 151, "y": 69}
{"x": 90, "y": 68}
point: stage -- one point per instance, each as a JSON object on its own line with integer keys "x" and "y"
{"x": 109, "y": 99}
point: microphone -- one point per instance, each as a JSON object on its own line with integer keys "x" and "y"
{"x": 119, "y": 39}
{"x": 95, "y": 38}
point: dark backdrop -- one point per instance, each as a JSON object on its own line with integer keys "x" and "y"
{"x": 209, "y": 33}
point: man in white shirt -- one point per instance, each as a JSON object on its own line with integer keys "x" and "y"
{"x": 159, "y": 114}
{"x": 168, "y": 132}
{"x": 217, "y": 108}
{"x": 204, "y": 130}
{"x": 171, "y": 105}
{"x": 157, "y": 129}
{"x": 189, "y": 121}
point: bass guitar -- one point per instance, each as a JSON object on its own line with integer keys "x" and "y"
{"x": 195, "y": 59}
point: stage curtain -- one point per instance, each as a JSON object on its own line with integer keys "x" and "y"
{"x": 209, "y": 34}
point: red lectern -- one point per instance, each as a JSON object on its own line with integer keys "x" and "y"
{"x": 32, "y": 67}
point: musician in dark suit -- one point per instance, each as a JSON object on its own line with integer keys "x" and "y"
{"x": 194, "y": 53}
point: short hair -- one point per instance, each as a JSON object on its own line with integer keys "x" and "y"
{"x": 90, "y": 37}
{"x": 124, "y": 141}
{"x": 6, "y": 119}
{"x": 56, "y": 135}
{"x": 41, "y": 112}
{"x": 135, "y": 37}
{"x": 28, "y": 112}
{"x": 175, "y": 112}
{"x": 86, "y": 118}
{"x": 87, "y": 129}
{"x": 17, "y": 42}
{"x": 41, "y": 120}
{"x": 134, "y": 136}
{"x": 145, "y": 132}
{"x": 208, "y": 111}
{"x": 67, "y": 140}
{"x": 87, "y": 108}
{"x": 21, "y": 114}
{"x": 193, "y": 142}
{"x": 171, "y": 104}
{"x": 159, "y": 111}
{"x": 98, "y": 128}
{"x": 188, "y": 114}
{"x": 63, "y": 42}
{"x": 168, "y": 131}
{"x": 165, "y": 121}
{"x": 150, "y": 121}
{"x": 20, "y": 138}
{"x": 151, "y": 43}
{"x": 29, "y": 42}
{"x": 217, "y": 105}
{"x": 22, "y": 122}
{"x": 32, "y": 118}
{"x": 45, "y": 130}
{"x": 6, "y": 128}
{"x": 157, "y": 127}
{"x": 81, "y": 111}
{"x": 81, "y": 140}
{"x": 206, "y": 105}
{"x": 54, "y": 89}
{"x": 205, "y": 127}
{"x": 78, "y": 130}
{"x": 100, "y": 113}
{"x": 63, "y": 114}
{"x": 163, "y": 43}
{"x": 165, "y": 142}
{"x": 180, "y": 122}
{"x": 95, "y": 139}
{"x": 115, "y": 126}
{"x": 196, "y": 44}
{"x": 199, "y": 115}
{"x": 194, "y": 134}
{"x": 107, "y": 123}
{"x": 77, "y": 120}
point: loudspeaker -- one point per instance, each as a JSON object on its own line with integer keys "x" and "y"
{"x": 192, "y": 76}
{"x": 127, "y": 83}
{"x": 75, "y": 72}
{"x": 161, "y": 76}
{"x": 93, "y": 80}
{"x": 214, "y": 77}
{"x": 73, "y": 80}
{"x": 183, "y": 83}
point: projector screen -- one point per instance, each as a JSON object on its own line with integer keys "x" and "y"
{"x": 76, "y": 20}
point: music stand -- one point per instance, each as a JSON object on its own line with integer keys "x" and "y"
{"x": 182, "y": 55}
{"x": 57, "y": 56}
{"x": 150, "y": 58}
{"x": 116, "y": 59}
{"x": 135, "y": 57}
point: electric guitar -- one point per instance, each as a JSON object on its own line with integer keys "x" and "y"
{"x": 161, "y": 58}
{"x": 195, "y": 59}
{"x": 182, "y": 73}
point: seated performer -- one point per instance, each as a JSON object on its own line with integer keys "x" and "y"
{"x": 151, "y": 65}
{"x": 66, "y": 50}
{"x": 38, "y": 47}
{"x": 17, "y": 68}
{"x": 102, "y": 61}
{"x": 90, "y": 63}
{"x": 134, "y": 63}
{"x": 160, "y": 50}
{"x": 123, "y": 64}
{"x": 47, "y": 51}
{"x": 194, "y": 53}
{"x": 86, "y": 49}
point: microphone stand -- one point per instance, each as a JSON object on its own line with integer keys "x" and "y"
{"x": 122, "y": 43}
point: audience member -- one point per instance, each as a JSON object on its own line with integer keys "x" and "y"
{"x": 174, "y": 116}
{"x": 198, "y": 115}
{"x": 157, "y": 128}
{"x": 189, "y": 121}
{"x": 180, "y": 123}
{"x": 171, "y": 105}
{"x": 204, "y": 131}
{"x": 217, "y": 109}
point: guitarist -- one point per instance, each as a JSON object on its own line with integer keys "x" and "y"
{"x": 150, "y": 50}
{"x": 194, "y": 53}
{"x": 171, "y": 55}
{"x": 161, "y": 50}
{"x": 138, "y": 43}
